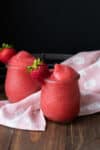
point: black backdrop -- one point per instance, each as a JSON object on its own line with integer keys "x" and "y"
{"x": 66, "y": 26}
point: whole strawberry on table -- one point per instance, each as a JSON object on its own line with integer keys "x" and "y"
{"x": 6, "y": 52}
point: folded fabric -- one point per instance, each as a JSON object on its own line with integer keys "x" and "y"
{"x": 88, "y": 66}
{"x": 27, "y": 114}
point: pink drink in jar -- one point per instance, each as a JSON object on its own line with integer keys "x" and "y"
{"x": 18, "y": 83}
{"x": 60, "y": 95}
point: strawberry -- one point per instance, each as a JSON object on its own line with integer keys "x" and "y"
{"x": 6, "y": 52}
{"x": 39, "y": 70}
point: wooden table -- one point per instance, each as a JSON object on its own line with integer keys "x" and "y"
{"x": 82, "y": 134}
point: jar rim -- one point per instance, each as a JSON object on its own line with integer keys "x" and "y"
{"x": 15, "y": 66}
{"x": 60, "y": 81}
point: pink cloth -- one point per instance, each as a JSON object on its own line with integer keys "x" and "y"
{"x": 27, "y": 114}
{"x": 88, "y": 66}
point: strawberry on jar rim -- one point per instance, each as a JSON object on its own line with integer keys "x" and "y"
{"x": 6, "y": 52}
{"x": 39, "y": 70}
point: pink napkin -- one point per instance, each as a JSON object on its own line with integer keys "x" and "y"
{"x": 88, "y": 66}
{"x": 27, "y": 114}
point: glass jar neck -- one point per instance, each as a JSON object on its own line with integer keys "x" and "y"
{"x": 16, "y": 67}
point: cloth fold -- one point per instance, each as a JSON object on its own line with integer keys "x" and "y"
{"x": 88, "y": 66}
{"x": 27, "y": 114}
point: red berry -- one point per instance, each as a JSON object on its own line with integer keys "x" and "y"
{"x": 39, "y": 70}
{"x": 6, "y": 52}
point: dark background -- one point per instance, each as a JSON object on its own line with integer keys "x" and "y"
{"x": 66, "y": 26}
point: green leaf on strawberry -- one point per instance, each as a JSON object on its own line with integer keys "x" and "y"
{"x": 4, "y": 45}
{"x": 37, "y": 62}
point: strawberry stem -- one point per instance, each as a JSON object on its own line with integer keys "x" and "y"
{"x": 36, "y": 63}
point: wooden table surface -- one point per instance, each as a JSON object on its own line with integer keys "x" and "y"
{"x": 82, "y": 134}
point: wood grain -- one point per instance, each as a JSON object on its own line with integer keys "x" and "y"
{"x": 82, "y": 134}
{"x": 79, "y": 135}
{"x": 5, "y": 137}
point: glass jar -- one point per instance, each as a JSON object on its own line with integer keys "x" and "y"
{"x": 60, "y": 101}
{"x": 19, "y": 84}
